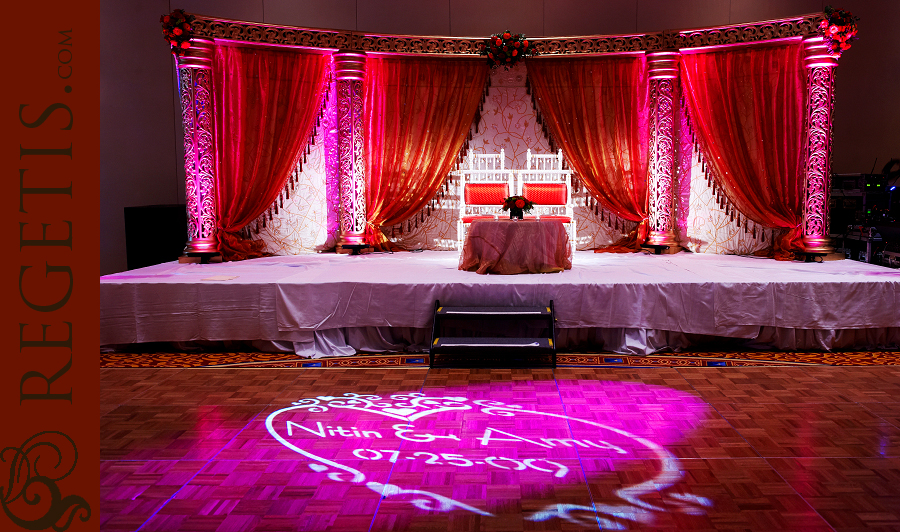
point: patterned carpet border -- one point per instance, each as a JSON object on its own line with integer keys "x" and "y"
{"x": 286, "y": 360}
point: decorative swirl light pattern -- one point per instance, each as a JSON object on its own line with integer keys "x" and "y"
{"x": 351, "y": 161}
{"x": 631, "y": 506}
{"x": 407, "y": 407}
{"x": 662, "y": 160}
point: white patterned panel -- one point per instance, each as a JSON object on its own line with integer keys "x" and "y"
{"x": 701, "y": 225}
{"x": 308, "y": 222}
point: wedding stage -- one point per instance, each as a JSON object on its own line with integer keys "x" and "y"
{"x": 328, "y": 304}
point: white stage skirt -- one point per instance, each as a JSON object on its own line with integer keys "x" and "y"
{"x": 328, "y": 304}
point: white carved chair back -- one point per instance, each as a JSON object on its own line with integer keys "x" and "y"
{"x": 545, "y": 182}
{"x": 482, "y": 187}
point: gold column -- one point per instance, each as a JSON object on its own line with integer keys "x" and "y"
{"x": 663, "y": 73}
{"x": 195, "y": 86}
{"x": 820, "y": 90}
{"x": 350, "y": 71}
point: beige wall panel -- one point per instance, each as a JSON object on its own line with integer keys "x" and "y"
{"x": 416, "y": 17}
{"x": 475, "y": 18}
{"x": 581, "y": 17}
{"x": 333, "y": 14}
{"x": 659, "y": 15}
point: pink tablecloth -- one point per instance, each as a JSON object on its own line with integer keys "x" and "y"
{"x": 522, "y": 246}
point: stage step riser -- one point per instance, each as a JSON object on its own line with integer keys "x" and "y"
{"x": 488, "y": 348}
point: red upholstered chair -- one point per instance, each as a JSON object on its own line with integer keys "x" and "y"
{"x": 549, "y": 186}
{"x": 482, "y": 188}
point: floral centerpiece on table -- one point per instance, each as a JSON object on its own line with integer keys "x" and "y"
{"x": 838, "y": 29}
{"x": 178, "y": 30}
{"x": 517, "y": 205}
{"x": 506, "y": 49}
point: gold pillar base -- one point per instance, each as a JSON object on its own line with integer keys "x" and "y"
{"x": 202, "y": 245}
{"x": 200, "y": 258}
{"x": 662, "y": 238}
{"x": 351, "y": 239}
{"x": 817, "y": 244}
{"x": 352, "y": 244}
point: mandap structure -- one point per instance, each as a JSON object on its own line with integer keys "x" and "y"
{"x": 673, "y": 75}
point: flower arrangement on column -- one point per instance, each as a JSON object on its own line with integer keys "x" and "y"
{"x": 506, "y": 49}
{"x": 517, "y": 206}
{"x": 178, "y": 30}
{"x": 838, "y": 29}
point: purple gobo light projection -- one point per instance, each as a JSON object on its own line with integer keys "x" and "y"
{"x": 491, "y": 435}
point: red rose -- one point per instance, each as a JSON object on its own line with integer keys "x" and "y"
{"x": 517, "y": 44}
{"x": 506, "y": 35}
{"x": 845, "y": 46}
{"x": 186, "y": 44}
{"x": 177, "y": 31}
{"x": 491, "y": 55}
{"x": 166, "y": 19}
{"x": 507, "y": 60}
{"x": 515, "y": 52}
{"x": 497, "y": 41}
{"x": 185, "y": 27}
{"x": 520, "y": 203}
{"x": 525, "y": 44}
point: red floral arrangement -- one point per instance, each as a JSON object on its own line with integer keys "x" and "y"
{"x": 838, "y": 29}
{"x": 517, "y": 202}
{"x": 178, "y": 30}
{"x": 506, "y": 49}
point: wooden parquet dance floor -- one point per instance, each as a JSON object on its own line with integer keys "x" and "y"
{"x": 810, "y": 447}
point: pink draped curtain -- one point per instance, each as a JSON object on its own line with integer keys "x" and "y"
{"x": 417, "y": 114}
{"x": 266, "y": 104}
{"x": 747, "y": 106}
{"x": 597, "y": 111}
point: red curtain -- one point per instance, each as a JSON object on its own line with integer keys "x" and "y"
{"x": 417, "y": 114}
{"x": 266, "y": 104}
{"x": 747, "y": 108}
{"x": 596, "y": 109}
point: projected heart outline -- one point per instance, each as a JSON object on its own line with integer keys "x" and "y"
{"x": 410, "y": 407}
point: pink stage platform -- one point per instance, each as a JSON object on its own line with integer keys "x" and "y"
{"x": 328, "y": 304}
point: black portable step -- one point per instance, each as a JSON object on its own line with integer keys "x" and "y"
{"x": 494, "y": 312}
{"x": 497, "y": 351}
{"x": 475, "y": 343}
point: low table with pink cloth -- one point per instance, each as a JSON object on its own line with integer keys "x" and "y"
{"x": 516, "y": 246}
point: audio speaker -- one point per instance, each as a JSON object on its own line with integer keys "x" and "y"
{"x": 154, "y": 234}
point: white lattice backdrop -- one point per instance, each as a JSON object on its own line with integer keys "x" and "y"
{"x": 308, "y": 221}
{"x": 701, "y": 225}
